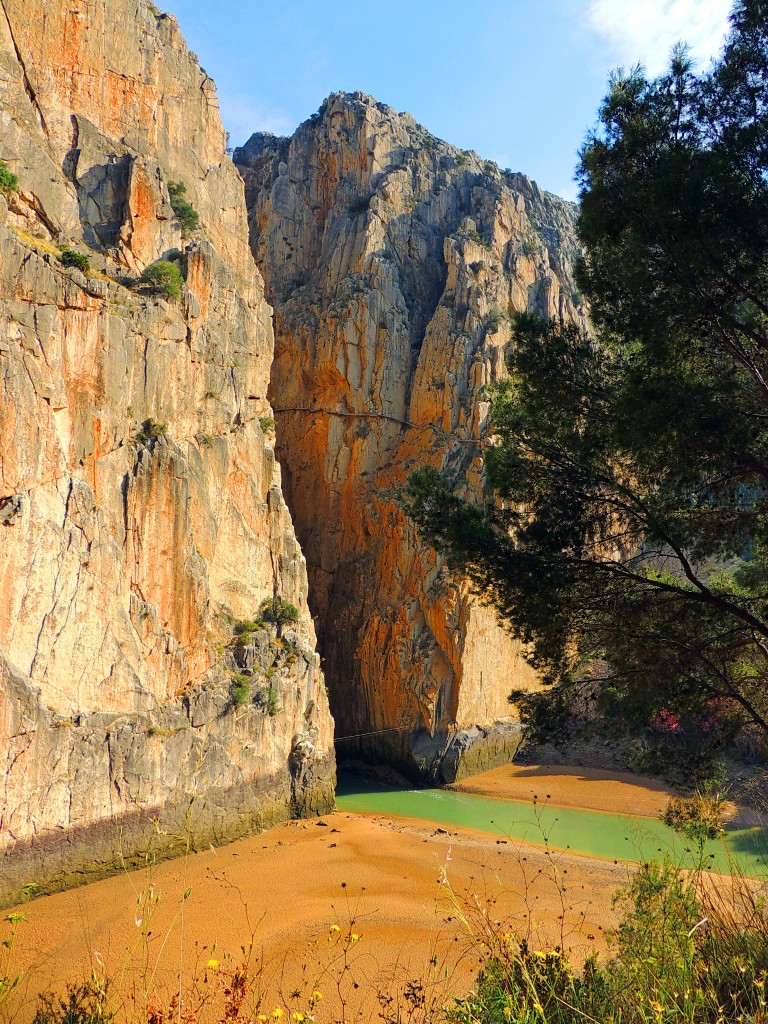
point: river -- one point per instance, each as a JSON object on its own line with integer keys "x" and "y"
{"x": 619, "y": 837}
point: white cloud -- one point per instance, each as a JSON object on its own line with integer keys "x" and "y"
{"x": 644, "y": 31}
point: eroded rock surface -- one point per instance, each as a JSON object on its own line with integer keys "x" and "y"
{"x": 393, "y": 261}
{"x": 141, "y": 512}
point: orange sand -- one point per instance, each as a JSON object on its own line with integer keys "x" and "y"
{"x": 285, "y": 888}
{"x": 588, "y": 788}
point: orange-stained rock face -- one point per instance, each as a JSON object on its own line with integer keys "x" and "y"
{"x": 141, "y": 511}
{"x": 393, "y": 261}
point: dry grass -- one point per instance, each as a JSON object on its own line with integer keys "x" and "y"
{"x": 37, "y": 243}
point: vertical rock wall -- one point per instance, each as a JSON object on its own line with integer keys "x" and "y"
{"x": 141, "y": 511}
{"x": 393, "y": 262}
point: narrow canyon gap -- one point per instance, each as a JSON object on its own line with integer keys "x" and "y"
{"x": 393, "y": 261}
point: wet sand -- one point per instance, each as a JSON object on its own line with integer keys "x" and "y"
{"x": 377, "y": 877}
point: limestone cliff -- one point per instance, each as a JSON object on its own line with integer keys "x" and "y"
{"x": 393, "y": 261}
{"x": 141, "y": 512}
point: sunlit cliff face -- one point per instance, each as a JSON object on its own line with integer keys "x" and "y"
{"x": 128, "y": 552}
{"x": 393, "y": 261}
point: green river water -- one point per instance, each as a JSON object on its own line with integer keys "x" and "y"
{"x": 593, "y": 833}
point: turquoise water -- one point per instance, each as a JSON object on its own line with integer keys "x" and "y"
{"x": 594, "y": 833}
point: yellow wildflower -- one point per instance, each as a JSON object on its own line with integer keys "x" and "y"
{"x": 298, "y": 1017}
{"x": 277, "y": 1013}
{"x": 262, "y": 1018}
{"x": 316, "y": 996}
{"x": 354, "y": 937}
{"x": 212, "y": 965}
{"x": 334, "y": 929}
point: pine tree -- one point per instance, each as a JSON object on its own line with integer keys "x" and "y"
{"x": 627, "y": 539}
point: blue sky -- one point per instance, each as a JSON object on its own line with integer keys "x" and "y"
{"x": 519, "y": 81}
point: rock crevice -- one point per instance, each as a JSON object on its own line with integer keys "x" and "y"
{"x": 394, "y": 261}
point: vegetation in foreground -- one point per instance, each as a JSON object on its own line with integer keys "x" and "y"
{"x": 690, "y": 948}
{"x": 683, "y": 953}
{"x": 626, "y": 539}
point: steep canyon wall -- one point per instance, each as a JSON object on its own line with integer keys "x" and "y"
{"x": 393, "y": 261}
{"x": 141, "y": 511}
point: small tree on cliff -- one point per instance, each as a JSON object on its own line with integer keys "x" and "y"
{"x": 184, "y": 211}
{"x": 279, "y": 612}
{"x": 164, "y": 277}
{"x": 628, "y": 535}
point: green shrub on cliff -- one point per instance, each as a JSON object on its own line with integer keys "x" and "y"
{"x": 150, "y": 431}
{"x": 72, "y": 258}
{"x": 245, "y": 628}
{"x": 239, "y": 691}
{"x": 267, "y": 700}
{"x": 9, "y": 182}
{"x": 279, "y": 612}
{"x": 183, "y": 210}
{"x": 164, "y": 277}
{"x": 360, "y": 203}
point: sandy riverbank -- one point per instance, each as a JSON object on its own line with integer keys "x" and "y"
{"x": 378, "y": 877}
{"x": 588, "y": 788}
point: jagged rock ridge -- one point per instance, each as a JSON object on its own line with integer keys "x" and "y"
{"x": 393, "y": 261}
{"x": 129, "y": 552}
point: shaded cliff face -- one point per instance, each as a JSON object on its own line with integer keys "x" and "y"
{"x": 128, "y": 553}
{"x": 393, "y": 261}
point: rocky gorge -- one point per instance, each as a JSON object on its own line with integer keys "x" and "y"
{"x": 394, "y": 262}
{"x": 141, "y": 511}
{"x": 160, "y": 677}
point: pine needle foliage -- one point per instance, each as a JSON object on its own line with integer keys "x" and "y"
{"x": 627, "y": 535}
{"x": 183, "y": 210}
